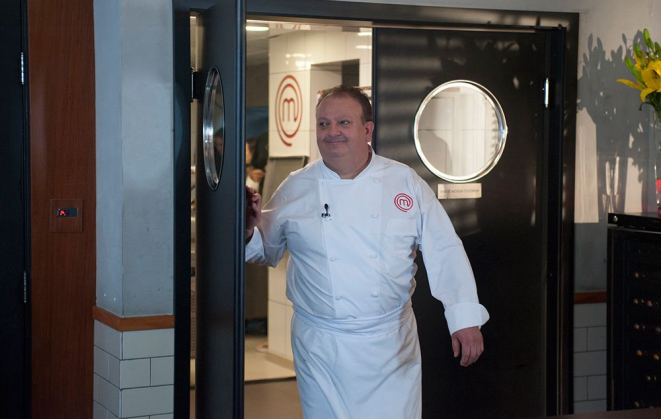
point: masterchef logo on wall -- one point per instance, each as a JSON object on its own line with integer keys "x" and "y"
{"x": 288, "y": 109}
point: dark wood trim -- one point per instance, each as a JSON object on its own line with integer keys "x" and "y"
{"x": 62, "y": 129}
{"x": 129, "y": 324}
{"x": 593, "y": 297}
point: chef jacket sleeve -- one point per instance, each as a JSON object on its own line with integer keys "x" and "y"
{"x": 450, "y": 275}
{"x": 268, "y": 243}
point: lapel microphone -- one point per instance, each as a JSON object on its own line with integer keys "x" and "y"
{"x": 324, "y": 215}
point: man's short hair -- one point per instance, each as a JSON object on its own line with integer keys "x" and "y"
{"x": 354, "y": 93}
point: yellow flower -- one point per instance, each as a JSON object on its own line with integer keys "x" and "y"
{"x": 631, "y": 84}
{"x": 652, "y": 79}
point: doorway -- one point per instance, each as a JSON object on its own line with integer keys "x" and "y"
{"x": 314, "y": 57}
{"x": 557, "y": 363}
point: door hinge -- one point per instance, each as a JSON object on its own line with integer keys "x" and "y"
{"x": 22, "y": 69}
{"x": 547, "y": 86}
{"x": 25, "y": 287}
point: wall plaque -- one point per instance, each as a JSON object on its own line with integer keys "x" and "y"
{"x": 459, "y": 190}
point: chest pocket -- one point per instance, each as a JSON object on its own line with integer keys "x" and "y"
{"x": 400, "y": 237}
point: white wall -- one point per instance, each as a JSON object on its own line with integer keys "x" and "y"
{"x": 610, "y": 132}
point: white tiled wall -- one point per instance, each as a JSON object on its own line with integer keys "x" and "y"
{"x": 133, "y": 373}
{"x": 590, "y": 358}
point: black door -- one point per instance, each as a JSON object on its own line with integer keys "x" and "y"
{"x": 220, "y": 215}
{"x": 13, "y": 384}
{"x": 504, "y": 232}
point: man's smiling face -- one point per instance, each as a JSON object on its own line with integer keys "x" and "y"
{"x": 341, "y": 133}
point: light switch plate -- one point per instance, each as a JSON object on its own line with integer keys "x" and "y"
{"x": 66, "y": 224}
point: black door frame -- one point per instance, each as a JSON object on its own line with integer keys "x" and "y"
{"x": 14, "y": 188}
{"x": 561, "y": 158}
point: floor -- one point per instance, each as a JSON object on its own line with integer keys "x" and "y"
{"x": 270, "y": 391}
{"x": 270, "y": 400}
{"x": 258, "y": 366}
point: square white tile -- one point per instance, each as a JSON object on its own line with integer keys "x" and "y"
{"x": 597, "y": 387}
{"x": 107, "y": 395}
{"x": 101, "y": 362}
{"x": 590, "y": 315}
{"x": 147, "y": 401}
{"x": 580, "y": 339}
{"x": 365, "y": 75}
{"x": 148, "y": 343}
{"x": 289, "y": 113}
{"x": 134, "y": 373}
{"x": 113, "y": 370}
{"x": 315, "y": 47}
{"x": 278, "y": 62}
{"x": 296, "y": 54}
{"x": 99, "y": 412}
{"x": 580, "y": 389}
{"x": 358, "y": 47}
{"x": 168, "y": 416}
{"x": 597, "y": 338}
{"x": 335, "y": 46}
{"x": 108, "y": 339}
{"x": 589, "y": 363}
{"x": 590, "y": 406}
{"x": 162, "y": 371}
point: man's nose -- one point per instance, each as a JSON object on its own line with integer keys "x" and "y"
{"x": 334, "y": 130}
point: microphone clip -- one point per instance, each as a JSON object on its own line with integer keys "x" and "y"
{"x": 326, "y": 214}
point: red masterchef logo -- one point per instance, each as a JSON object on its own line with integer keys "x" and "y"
{"x": 403, "y": 202}
{"x": 288, "y": 109}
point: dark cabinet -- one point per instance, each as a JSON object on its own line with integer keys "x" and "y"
{"x": 634, "y": 311}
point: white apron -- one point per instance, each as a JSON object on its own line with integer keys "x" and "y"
{"x": 361, "y": 368}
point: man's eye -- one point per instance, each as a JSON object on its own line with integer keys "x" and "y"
{"x": 323, "y": 124}
{"x": 345, "y": 123}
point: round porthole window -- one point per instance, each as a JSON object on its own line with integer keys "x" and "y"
{"x": 213, "y": 128}
{"x": 460, "y": 131}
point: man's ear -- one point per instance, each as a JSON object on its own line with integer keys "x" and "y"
{"x": 369, "y": 130}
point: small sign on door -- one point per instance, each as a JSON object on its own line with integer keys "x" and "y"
{"x": 459, "y": 190}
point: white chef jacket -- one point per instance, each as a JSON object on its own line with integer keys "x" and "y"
{"x": 351, "y": 276}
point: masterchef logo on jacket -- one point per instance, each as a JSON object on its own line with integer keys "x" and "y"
{"x": 403, "y": 202}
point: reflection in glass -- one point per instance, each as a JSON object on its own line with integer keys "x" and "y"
{"x": 460, "y": 131}
{"x": 213, "y": 128}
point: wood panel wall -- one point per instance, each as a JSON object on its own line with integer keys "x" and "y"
{"x": 62, "y": 148}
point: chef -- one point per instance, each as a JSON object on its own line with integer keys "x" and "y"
{"x": 353, "y": 223}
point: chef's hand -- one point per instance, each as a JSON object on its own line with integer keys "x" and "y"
{"x": 469, "y": 342}
{"x": 253, "y": 211}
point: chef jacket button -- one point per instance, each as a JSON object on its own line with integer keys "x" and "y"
{"x": 373, "y": 255}
{"x": 333, "y": 259}
{"x": 323, "y": 183}
{"x": 375, "y": 215}
{"x": 375, "y": 295}
{"x": 338, "y": 297}
{"x": 376, "y": 180}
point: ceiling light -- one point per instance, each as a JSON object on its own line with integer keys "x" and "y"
{"x": 253, "y": 28}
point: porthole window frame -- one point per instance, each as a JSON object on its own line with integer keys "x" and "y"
{"x": 213, "y": 86}
{"x": 502, "y": 131}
